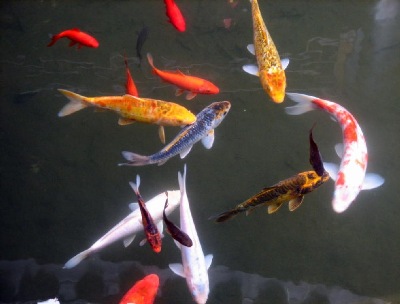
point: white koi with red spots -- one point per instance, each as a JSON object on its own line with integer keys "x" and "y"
{"x": 350, "y": 178}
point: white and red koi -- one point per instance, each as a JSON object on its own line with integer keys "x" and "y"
{"x": 351, "y": 177}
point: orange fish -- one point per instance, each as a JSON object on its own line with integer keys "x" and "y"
{"x": 194, "y": 85}
{"x": 175, "y": 16}
{"x": 143, "y": 292}
{"x": 77, "y": 37}
{"x": 129, "y": 84}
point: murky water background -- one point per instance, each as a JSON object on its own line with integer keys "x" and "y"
{"x": 61, "y": 188}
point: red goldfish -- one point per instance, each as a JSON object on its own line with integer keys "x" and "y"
{"x": 129, "y": 84}
{"x": 143, "y": 292}
{"x": 194, "y": 85}
{"x": 175, "y": 16}
{"x": 77, "y": 37}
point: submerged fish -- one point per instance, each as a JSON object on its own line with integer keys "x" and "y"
{"x": 203, "y": 129}
{"x": 141, "y": 39}
{"x": 175, "y": 16}
{"x": 143, "y": 292}
{"x": 150, "y": 229}
{"x": 270, "y": 68}
{"x": 127, "y": 229}
{"x": 77, "y": 37}
{"x": 131, "y": 109}
{"x": 194, "y": 85}
{"x": 290, "y": 190}
{"x": 351, "y": 177}
{"x": 174, "y": 231}
{"x": 194, "y": 265}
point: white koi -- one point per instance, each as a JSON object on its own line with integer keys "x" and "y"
{"x": 127, "y": 229}
{"x": 194, "y": 265}
{"x": 351, "y": 177}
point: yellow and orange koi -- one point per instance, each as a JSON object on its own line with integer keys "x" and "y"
{"x": 131, "y": 109}
{"x": 270, "y": 68}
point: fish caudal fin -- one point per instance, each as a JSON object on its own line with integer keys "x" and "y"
{"x": 150, "y": 60}
{"x": 53, "y": 40}
{"x": 135, "y": 187}
{"x": 77, "y": 259}
{"x": 224, "y": 216}
{"x": 76, "y": 103}
{"x": 304, "y": 104}
{"x": 134, "y": 159}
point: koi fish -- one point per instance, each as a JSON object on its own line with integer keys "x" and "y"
{"x": 127, "y": 228}
{"x": 174, "y": 231}
{"x": 77, "y": 37}
{"x": 351, "y": 177}
{"x": 290, "y": 190}
{"x": 175, "y": 16}
{"x": 131, "y": 109}
{"x": 203, "y": 129}
{"x": 270, "y": 68}
{"x": 194, "y": 85}
{"x": 194, "y": 265}
{"x": 143, "y": 292}
{"x": 150, "y": 229}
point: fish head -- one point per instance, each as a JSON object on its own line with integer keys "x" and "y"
{"x": 312, "y": 181}
{"x": 219, "y": 110}
{"x": 208, "y": 88}
{"x": 274, "y": 84}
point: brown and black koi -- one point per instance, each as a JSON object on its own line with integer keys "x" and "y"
{"x": 290, "y": 190}
{"x": 174, "y": 230}
{"x": 152, "y": 234}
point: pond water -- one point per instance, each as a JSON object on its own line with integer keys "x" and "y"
{"x": 61, "y": 188}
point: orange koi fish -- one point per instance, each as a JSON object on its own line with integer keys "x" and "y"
{"x": 131, "y": 109}
{"x": 270, "y": 68}
{"x": 77, "y": 37}
{"x": 175, "y": 16}
{"x": 194, "y": 85}
{"x": 152, "y": 234}
{"x": 143, "y": 292}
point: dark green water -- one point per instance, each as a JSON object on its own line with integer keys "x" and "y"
{"x": 61, "y": 188}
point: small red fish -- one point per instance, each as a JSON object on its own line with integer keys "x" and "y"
{"x": 77, "y": 37}
{"x": 194, "y": 85}
{"x": 143, "y": 292}
{"x": 175, "y": 16}
{"x": 129, "y": 84}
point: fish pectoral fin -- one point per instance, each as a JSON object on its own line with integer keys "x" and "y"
{"x": 72, "y": 43}
{"x": 251, "y": 69}
{"x": 208, "y": 140}
{"x": 142, "y": 242}
{"x": 185, "y": 152}
{"x": 190, "y": 95}
{"x": 133, "y": 206}
{"x": 285, "y": 63}
{"x": 179, "y": 92}
{"x": 250, "y": 48}
{"x": 274, "y": 207}
{"x": 295, "y": 203}
{"x": 127, "y": 241}
{"x": 339, "y": 149}
{"x": 177, "y": 244}
{"x": 177, "y": 269}
{"x": 332, "y": 169}
{"x": 125, "y": 121}
{"x": 161, "y": 134}
{"x": 371, "y": 181}
{"x": 208, "y": 258}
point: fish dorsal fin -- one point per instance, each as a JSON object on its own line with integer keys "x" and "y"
{"x": 295, "y": 203}
{"x": 133, "y": 206}
{"x": 129, "y": 240}
{"x": 332, "y": 169}
{"x": 208, "y": 140}
{"x": 251, "y": 49}
{"x": 339, "y": 149}
{"x": 274, "y": 207}
{"x": 177, "y": 269}
{"x": 125, "y": 121}
{"x": 75, "y": 29}
{"x": 251, "y": 69}
{"x": 208, "y": 259}
{"x": 371, "y": 181}
{"x": 179, "y": 72}
{"x": 190, "y": 95}
{"x": 185, "y": 152}
{"x": 285, "y": 63}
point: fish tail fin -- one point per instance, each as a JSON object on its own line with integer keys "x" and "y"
{"x": 76, "y": 103}
{"x": 150, "y": 60}
{"x": 134, "y": 186}
{"x": 71, "y": 263}
{"x": 54, "y": 39}
{"x": 224, "y": 216}
{"x": 134, "y": 159}
{"x": 182, "y": 180}
{"x": 304, "y": 104}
